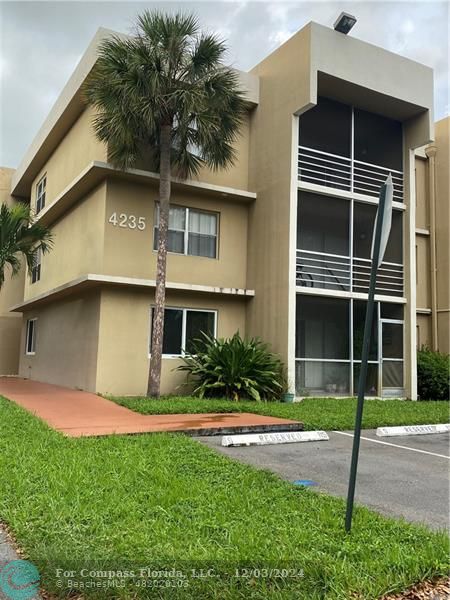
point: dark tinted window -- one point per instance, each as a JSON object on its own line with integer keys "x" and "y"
{"x": 196, "y": 323}
{"x": 327, "y": 127}
{"x": 378, "y": 140}
{"x": 322, "y": 326}
{"x": 323, "y": 224}
{"x": 359, "y": 319}
{"x": 173, "y": 327}
{"x": 364, "y": 221}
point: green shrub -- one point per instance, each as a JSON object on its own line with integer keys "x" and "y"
{"x": 433, "y": 371}
{"x": 234, "y": 368}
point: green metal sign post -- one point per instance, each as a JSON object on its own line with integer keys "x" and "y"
{"x": 379, "y": 243}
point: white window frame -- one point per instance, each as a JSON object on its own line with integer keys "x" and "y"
{"x": 185, "y": 231}
{"x": 184, "y": 310}
{"x": 41, "y": 188}
{"x": 31, "y": 352}
{"x": 36, "y": 270}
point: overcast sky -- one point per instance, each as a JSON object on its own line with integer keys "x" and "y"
{"x": 41, "y": 42}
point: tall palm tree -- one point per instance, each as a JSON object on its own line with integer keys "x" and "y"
{"x": 165, "y": 95}
{"x": 20, "y": 238}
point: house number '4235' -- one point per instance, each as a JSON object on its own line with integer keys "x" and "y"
{"x": 128, "y": 221}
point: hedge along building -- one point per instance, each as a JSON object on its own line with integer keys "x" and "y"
{"x": 275, "y": 247}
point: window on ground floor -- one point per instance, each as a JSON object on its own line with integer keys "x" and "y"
{"x": 182, "y": 326}
{"x": 329, "y": 339}
{"x": 30, "y": 341}
{"x": 322, "y": 328}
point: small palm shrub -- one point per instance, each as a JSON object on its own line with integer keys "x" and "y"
{"x": 234, "y": 368}
{"x": 433, "y": 372}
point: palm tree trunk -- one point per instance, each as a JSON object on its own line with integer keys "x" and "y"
{"x": 154, "y": 376}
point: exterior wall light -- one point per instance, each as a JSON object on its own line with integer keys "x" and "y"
{"x": 344, "y": 22}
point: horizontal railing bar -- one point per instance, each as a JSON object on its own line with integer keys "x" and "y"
{"x": 327, "y": 160}
{"x": 381, "y": 179}
{"x": 391, "y": 264}
{"x": 301, "y": 161}
{"x": 362, "y": 190}
{"x": 302, "y": 260}
{"x": 304, "y": 176}
{"x": 380, "y": 275}
{"x": 375, "y": 185}
{"x": 395, "y": 172}
{"x": 320, "y": 284}
{"x": 324, "y": 275}
{"x": 341, "y": 264}
{"x": 322, "y": 253}
{"x": 306, "y": 266}
{"x": 325, "y": 174}
{"x": 360, "y": 185}
{"x": 361, "y": 162}
{"x": 360, "y": 172}
{"x": 392, "y": 279}
{"x": 366, "y": 281}
{"x": 339, "y": 156}
{"x": 363, "y": 287}
{"x": 399, "y": 274}
{"x": 336, "y": 185}
{"x": 300, "y": 251}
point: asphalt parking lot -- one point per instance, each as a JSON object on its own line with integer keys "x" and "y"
{"x": 405, "y": 476}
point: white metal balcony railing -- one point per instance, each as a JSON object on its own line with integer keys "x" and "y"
{"x": 343, "y": 173}
{"x": 346, "y": 274}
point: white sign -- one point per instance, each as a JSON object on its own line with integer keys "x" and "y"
{"x": 127, "y": 221}
{"x": 387, "y": 221}
{"x": 413, "y": 430}
{"x": 283, "y": 437}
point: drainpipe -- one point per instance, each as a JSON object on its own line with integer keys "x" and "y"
{"x": 431, "y": 153}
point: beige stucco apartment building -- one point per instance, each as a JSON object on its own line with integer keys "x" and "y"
{"x": 277, "y": 246}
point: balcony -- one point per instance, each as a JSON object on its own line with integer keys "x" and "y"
{"x": 346, "y": 274}
{"x": 343, "y": 173}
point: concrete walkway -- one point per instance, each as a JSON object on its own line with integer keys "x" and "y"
{"x": 76, "y": 414}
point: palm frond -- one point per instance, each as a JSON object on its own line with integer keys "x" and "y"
{"x": 21, "y": 237}
{"x": 167, "y": 73}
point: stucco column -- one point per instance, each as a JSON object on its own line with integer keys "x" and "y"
{"x": 410, "y": 357}
{"x": 430, "y": 151}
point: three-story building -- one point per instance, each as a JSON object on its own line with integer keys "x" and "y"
{"x": 278, "y": 246}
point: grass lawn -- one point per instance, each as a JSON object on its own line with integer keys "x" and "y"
{"x": 316, "y": 413}
{"x": 165, "y": 500}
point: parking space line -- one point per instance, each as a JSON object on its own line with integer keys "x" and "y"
{"x": 395, "y": 445}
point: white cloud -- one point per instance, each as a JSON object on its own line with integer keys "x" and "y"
{"x": 41, "y": 42}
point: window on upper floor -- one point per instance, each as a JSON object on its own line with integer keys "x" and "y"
{"x": 182, "y": 326}
{"x": 30, "y": 339}
{"x": 36, "y": 270}
{"x": 350, "y": 149}
{"x": 363, "y": 225}
{"x": 323, "y": 224}
{"x": 378, "y": 140}
{"x": 40, "y": 193}
{"x": 327, "y": 127}
{"x": 191, "y": 231}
